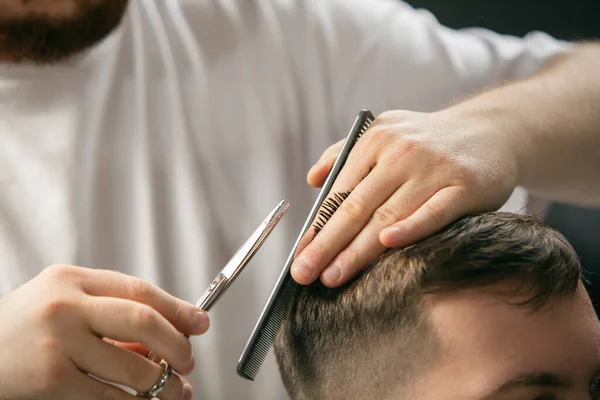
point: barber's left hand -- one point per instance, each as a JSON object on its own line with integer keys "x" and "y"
{"x": 410, "y": 175}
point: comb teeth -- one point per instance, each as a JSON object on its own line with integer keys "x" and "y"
{"x": 331, "y": 204}
{"x": 329, "y": 207}
{"x": 249, "y": 369}
{"x": 365, "y": 126}
{"x": 283, "y": 295}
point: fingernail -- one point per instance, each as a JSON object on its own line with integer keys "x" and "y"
{"x": 303, "y": 269}
{"x": 333, "y": 273}
{"x": 201, "y": 322}
{"x": 188, "y": 392}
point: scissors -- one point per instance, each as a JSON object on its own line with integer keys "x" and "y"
{"x": 223, "y": 280}
{"x": 241, "y": 258}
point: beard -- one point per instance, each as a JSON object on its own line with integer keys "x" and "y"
{"x": 44, "y": 38}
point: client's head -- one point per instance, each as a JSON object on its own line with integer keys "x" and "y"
{"x": 492, "y": 307}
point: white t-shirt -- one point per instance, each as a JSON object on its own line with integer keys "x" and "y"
{"x": 157, "y": 152}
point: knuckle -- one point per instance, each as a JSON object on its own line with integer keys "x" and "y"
{"x": 135, "y": 374}
{"x": 385, "y": 216}
{"x": 50, "y": 346}
{"x": 145, "y": 317}
{"x": 56, "y": 309}
{"x": 395, "y": 116}
{"x": 436, "y": 211}
{"x": 377, "y": 134}
{"x": 387, "y": 116}
{"x": 60, "y": 271}
{"x": 467, "y": 175}
{"x": 333, "y": 149}
{"x": 351, "y": 258}
{"x": 354, "y": 207}
{"x": 367, "y": 141}
{"x": 139, "y": 289}
{"x": 442, "y": 159}
{"x": 53, "y": 373}
{"x": 317, "y": 250}
{"x": 181, "y": 312}
{"x": 411, "y": 145}
{"x": 412, "y": 226}
{"x": 406, "y": 147}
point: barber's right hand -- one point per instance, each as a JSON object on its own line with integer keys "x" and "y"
{"x": 68, "y": 322}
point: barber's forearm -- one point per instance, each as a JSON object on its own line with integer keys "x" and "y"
{"x": 553, "y": 123}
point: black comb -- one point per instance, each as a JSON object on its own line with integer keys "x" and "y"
{"x": 285, "y": 291}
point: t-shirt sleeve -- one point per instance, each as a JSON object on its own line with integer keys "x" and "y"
{"x": 383, "y": 54}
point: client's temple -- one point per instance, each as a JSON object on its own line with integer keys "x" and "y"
{"x": 492, "y": 308}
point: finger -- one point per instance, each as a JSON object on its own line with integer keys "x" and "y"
{"x": 135, "y": 347}
{"x": 344, "y": 225}
{"x": 304, "y": 241}
{"x": 188, "y": 390}
{"x": 128, "y": 321}
{"x": 318, "y": 173}
{"x": 186, "y": 317}
{"x": 176, "y": 387}
{"x": 143, "y": 351}
{"x": 444, "y": 207}
{"x": 366, "y": 246}
{"x": 88, "y": 387}
{"x": 113, "y": 364}
{"x": 345, "y": 181}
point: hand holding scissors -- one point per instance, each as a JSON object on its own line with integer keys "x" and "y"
{"x": 222, "y": 282}
{"x": 55, "y": 343}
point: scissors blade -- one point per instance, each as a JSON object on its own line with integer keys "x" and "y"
{"x": 242, "y": 257}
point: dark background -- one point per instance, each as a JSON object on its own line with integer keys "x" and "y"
{"x": 568, "y": 20}
{"x": 572, "y": 20}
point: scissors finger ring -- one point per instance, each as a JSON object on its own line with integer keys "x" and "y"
{"x": 160, "y": 383}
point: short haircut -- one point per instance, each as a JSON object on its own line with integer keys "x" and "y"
{"x": 326, "y": 346}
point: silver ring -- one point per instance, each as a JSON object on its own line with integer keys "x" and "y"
{"x": 160, "y": 383}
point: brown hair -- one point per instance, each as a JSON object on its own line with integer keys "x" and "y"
{"x": 330, "y": 333}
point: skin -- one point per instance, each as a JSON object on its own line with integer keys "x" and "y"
{"x": 429, "y": 169}
{"x": 424, "y": 170}
{"x": 488, "y": 343}
{"x": 69, "y": 320}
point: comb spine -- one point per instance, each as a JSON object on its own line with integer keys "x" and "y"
{"x": 260, "y": 342}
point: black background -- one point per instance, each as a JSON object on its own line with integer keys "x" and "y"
{"x": 572, "y": 20}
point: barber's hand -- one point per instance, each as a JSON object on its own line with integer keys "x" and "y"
{"x": 55, "y": 330}
{"x": 410, "y": 175}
